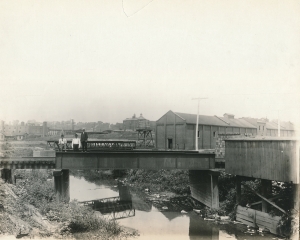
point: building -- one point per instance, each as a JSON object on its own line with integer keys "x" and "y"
{"x": 177, "y": 130}
{"x": 135, "y": 123}
{"x": 2, "y": 136}
{"x": 20, "y": 131}
{"x": 270, "y": 128}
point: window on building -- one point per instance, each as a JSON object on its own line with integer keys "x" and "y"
{"x": 214, "y": 134}
{"x": 198, "y": 135}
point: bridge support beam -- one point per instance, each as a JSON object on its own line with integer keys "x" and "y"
{"x": 7, "y": 175}
{"x": 204, "y": 187}
{"x": 61, "y": 184}
{"x": 238, "y": 188}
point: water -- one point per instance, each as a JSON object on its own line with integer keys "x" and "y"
{"x": 134, "y": 212}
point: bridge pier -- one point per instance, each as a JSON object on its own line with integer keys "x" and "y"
{"x": 238, "y": 188}
{"x": 204, "y": 187}
{"x": 124, "y": 193}
{"x": 61, "y": 184}
{"x": 7, "y": 175}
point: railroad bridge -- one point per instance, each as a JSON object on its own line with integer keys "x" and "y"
{"x": 268, "y": 159}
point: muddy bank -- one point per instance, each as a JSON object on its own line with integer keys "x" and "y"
{"x": 30, "y": 210}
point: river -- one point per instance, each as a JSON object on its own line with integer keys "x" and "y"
{"x": 132, "y": 211}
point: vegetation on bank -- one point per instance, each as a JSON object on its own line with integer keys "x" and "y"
{"x": 177, "y": 181}
{"x": 31, "y": 207}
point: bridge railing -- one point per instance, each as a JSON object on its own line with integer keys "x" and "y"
{"x": 98, "y": 145}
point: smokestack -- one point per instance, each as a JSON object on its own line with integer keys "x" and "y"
{"x": 44, "y": 129}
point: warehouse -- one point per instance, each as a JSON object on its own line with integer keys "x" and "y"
{"x": 270, "y": 128}
{"x": 177, "y": 130}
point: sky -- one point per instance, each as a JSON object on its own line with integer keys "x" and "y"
{"x": 104, "y": 60}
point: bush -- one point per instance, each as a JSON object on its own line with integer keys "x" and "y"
{"x": 36, "y": 190}
{"x": 176, "y": 181}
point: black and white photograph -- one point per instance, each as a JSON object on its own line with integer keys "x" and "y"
{"x": 149, "y": 119}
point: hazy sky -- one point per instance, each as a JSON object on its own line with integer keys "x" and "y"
{"x": 106, "y": 60}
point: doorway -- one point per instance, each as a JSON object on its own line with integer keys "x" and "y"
{"x": 170, "y": 143}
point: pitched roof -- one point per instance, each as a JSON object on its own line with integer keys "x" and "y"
{"x": 272, "y": 124}
{"x": 205, "y": 120}
{"x": 215, "y": 120}
{"x": 237, "y": 122}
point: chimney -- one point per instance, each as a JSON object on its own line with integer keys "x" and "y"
{"x": 228, "y": 116}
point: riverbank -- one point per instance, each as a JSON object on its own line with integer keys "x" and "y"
{"x": 167, "y": 190}
{"x": 29, "y": 209}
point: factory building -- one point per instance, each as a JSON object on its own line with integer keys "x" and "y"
{"x": 177, "y": 130}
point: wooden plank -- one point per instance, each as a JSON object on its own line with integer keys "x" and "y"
{"x": 259, "y": 202}
{"x": 244, "y": 219}
{"x": 246, "y": 159}
{"x": 245, "y": 216}
{"x": 267, "y": 221}
{"x": 265, "y": 159}
{"x": 263, "y": 220}
{"x": 273, "y": 204}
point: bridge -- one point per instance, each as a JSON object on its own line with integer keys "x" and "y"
{"x": 246, "y": 158}
{"x": 135, "y": 159}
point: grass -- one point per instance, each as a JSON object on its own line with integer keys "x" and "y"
{"x": 35, "y": 189}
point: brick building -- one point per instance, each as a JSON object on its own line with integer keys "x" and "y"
{"x": 20, "y": 131}
{"x": 135, "y": 123}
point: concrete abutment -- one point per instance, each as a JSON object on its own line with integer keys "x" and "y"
{"x": 62, "y": 184}
{"x": 7, "y": 175}
{"x": 204, "y": 187}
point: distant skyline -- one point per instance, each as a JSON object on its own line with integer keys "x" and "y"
{"x": 104, "y": 60}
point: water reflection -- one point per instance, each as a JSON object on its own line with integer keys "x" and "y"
{"x": 119, "y": 203}
{"x": 200, "y": 229}
{"x": 116, "y": 207}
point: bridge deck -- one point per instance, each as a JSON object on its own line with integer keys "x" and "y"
{"x": 135, "y": 159}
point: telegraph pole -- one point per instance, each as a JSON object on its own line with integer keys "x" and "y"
{"x": 196, "y": 138}
{"x": 278, "y": 122}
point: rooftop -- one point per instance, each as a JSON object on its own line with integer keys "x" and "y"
{"x": 215, "y": 120}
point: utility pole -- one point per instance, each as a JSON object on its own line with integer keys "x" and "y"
{"x": 196, "y": 138}
{"x": 278, "y": 122}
